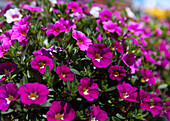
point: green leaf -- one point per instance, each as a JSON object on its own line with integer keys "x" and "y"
{"x": 111, "y": 88}
{"x": 120, "y": 116}
{"x": 107, "y": 119}
{"x": 115, "y": 118}
{"x": 74, "y": 71}
{"x": 162, "y": 86}
{"x": 1, "y": 76}
{"x": 7, "y": 112}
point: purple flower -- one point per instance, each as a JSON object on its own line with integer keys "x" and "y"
{"x": 33, "y": 93}
{"x": 56, "y": 29}
{"x": 158, "y": 32}
{"x": 3, "y": 49}
{"x": 118, "y": 47}
{"x": 148, "y": 76}
{"x": 134, "y": 28}
{"x": 97, "y": 114}
{"x": 33, "y": 8}
{"x": 64, "y": 73}
{"x": 20, "y": 33}
{"x": 127, "y": 92}
{"x": 40, "y": 62}
{"x": 82, "y": 41}
{"x": 6, "y": 37}
{"x": 150, "y": 102}
{"x": 88, "y": 89}
{"x": 100, "y": 54}
{"x": 60, "y": 111}
{"x": 105, "y": 14}
{"x": 116, "y": 72}
{"x": 7, "y": 67}
{"x": 8, "y": 94}
{"x": 129, "y": 60}
{"x": 109, "y": 26}
{"x": 6, "y": 7}
{"x": 68, "y": 24}
{"x": 167, "y": 112}
{"x": 74, "y": 7}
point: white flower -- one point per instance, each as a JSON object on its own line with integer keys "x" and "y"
{"x": 12, "y": 15}
{"x": 129, "y": 12}
{"x": 53, "y": 2}
{"x": 95, "y": 11}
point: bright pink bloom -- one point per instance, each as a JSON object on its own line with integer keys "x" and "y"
{"x": 74, "y": 7}
{"x": 60, "y": 111}
{"x": 3, "y": 49}
{"x": 118, "y": 47}
{"x": 167, "y": 112}
{"x": 56, "y": 29}
{"x": 82, "y": 41}
{"x": 64, "y": 73}
{"x": 33, "y": 93}
{"x": 97, "y": 114}
{"x": 148, "y": 76}
{"x": 150, "y": 102}
{"x": 116, "y": 72}
{"x": 6, "y": 37}
{"x": 33, "y": 8}
{"x": 100, "y": 54}
{"x": 127, "y": 92}
{"x": 20, "y": 33}
{"x": 8, "y": 94}
{"x": 68, "y": 24}
{"x": 158, "y": 32}
{"x": 144, "y": 43}
{"x": 105, "y": 14}
{"x": 6, "y": 68}
{"x": 88, "y": 89}
{"x": 134, "y": 28}
{"x": 40, "y": 62}
{"x": 109, "y": 26}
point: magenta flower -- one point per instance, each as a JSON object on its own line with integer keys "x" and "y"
{"x": 68, "y": 24}
{"x": 3, "y": 49}
{"x": 20, "y": 33}
{"x": 105, "y": 14}
{"x": 6, "y": 68}
{"x": 129, "y": 60}
{"x": 134, "y": 28}
{"x": 116, "y": 72}
{"x": 33, "y": 93}
{"x": 127, "y": 92}
{"x": 148, "y": 76}
{"x": 60, "y": 111}
{"x": 82, "y": 41}
{"x": 167, "y": 112}
{"x": 64, "y": 73}
{"x": 74, "y": 7}
{"x": 56, "y": 29}
{"x": 6, "y": 37}
{"x": 6, "y": 7}
{"x": 8, "y": 94}
{"x": 150, "y": 102}
{"x": 40, "y": 62}
{"x": 32, "y": 8}
{"x": 100, "y": 54}
{"x": 158, "y": 32}
{"x": 109, "y": 26}
{"x": 97, "y": 114}
{"x": 88, "y": 89}
{"x": 118, "y": 47}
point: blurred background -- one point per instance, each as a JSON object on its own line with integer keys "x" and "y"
{"x": 156, "y": 8}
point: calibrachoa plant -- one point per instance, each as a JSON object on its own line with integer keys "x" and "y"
{"x": 70, "y": 61}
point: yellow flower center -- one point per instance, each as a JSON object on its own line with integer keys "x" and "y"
{"x": 41, "y": 65}
{"x": 9, "y": 99}
{"x": 23, "y": 33}
{"x": 15, "y": 16}
{"x": 63, "y": 75}
{"x": 80, "y": 41}
{"x": 125, "y": 95}
{"x": 116, "y": 73}
{"x": 97, "y": 56}
{"x": 85, "y": 91}
{"x": 33, "y": 95}
{"x": 152, "y": 105}
{"x": 59, "y": 116}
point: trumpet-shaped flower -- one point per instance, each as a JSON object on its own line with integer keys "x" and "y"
{"x": 116, "y": 72}
{"x": 148, "y": 76}
{"x": 12, "y": 15}
{"x": 74, "y": 7}
{"x": 56, "y": 29}
{"x": 40, "y": 62}
{"x": 8, "y": 94}
{"x": 100, "y": 54}
{"x": 60, "y": 111}
{"x": 33, "y": 8}
{"x": 97, "y": 114}
{"x": 64, "y": 73}
{"x": 105, "y": 15}
{"x": 82, "y": 41}
{"x": 88, "y": 89}
{"x": 33, "y": 93}
{"x": 127, "y": 92}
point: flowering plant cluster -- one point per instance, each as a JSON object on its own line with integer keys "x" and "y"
{"x": 64, "y": 61}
